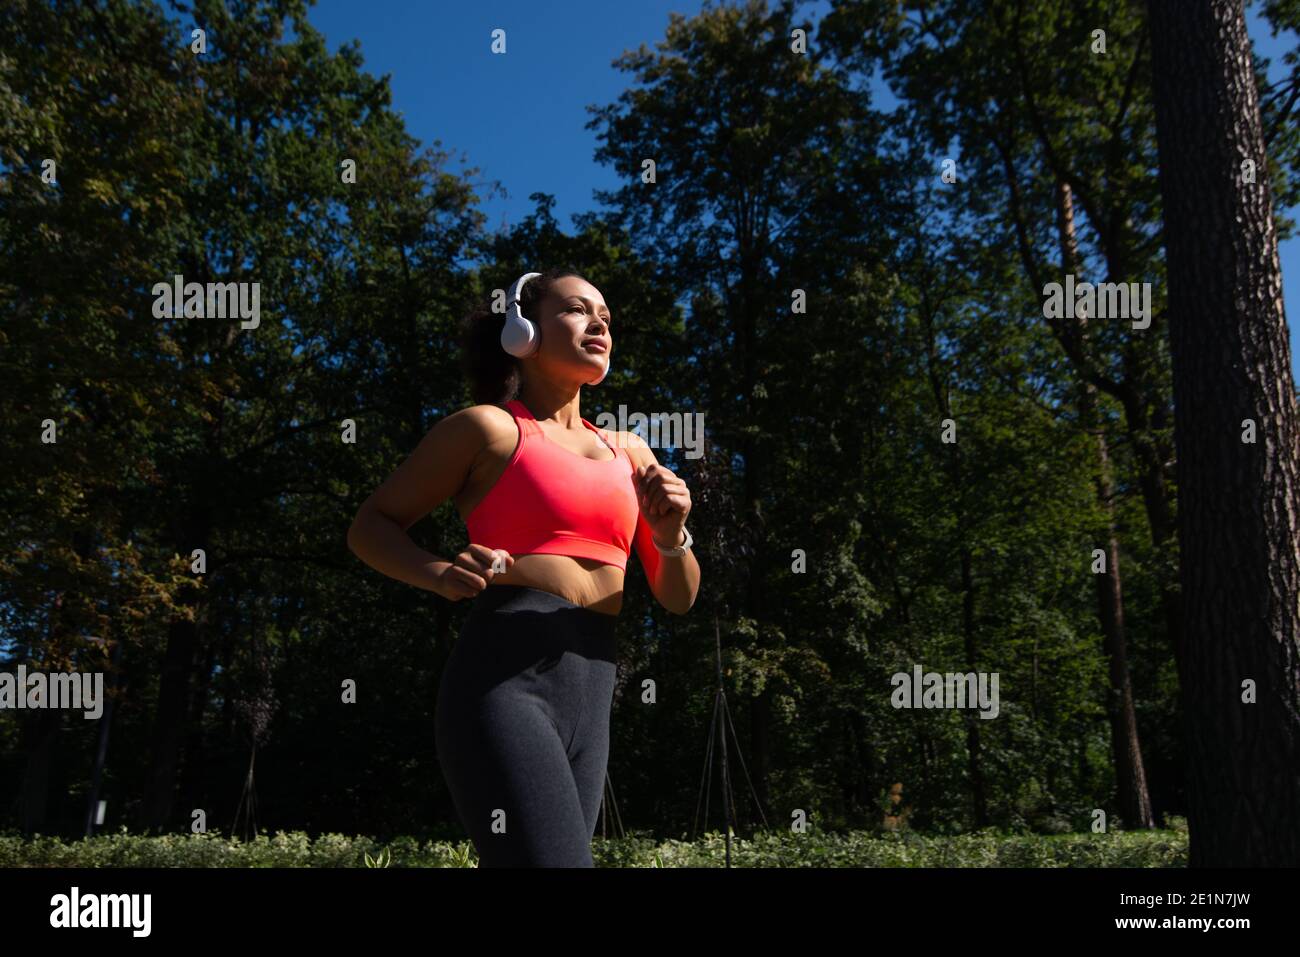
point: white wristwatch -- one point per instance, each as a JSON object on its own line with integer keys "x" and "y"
{"x": 677, "y": 550}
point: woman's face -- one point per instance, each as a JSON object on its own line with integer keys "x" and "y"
{"x": 575, "y": 331}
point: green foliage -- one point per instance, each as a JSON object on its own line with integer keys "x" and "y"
{"x": 281, "y": 849}
{"x": 856, "y": 849}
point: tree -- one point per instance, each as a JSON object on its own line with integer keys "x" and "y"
{"x": 75, "y": 249}
{"x": 1236, "y": 432}
{"x": 1038, "y": 134}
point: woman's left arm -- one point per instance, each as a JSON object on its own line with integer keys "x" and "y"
{"x": 664, "y": 502}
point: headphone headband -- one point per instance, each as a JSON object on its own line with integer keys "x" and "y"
{"x": 517, "y": 289}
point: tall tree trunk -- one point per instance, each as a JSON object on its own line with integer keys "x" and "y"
{"x": 169, "y": 724}
{"x": 1237, "y": 523}
{"x": 38, "y": 730}
{"x": 170, "y": 720}
{"x": 760, "y": 709}
{"x": 1126, "y": 749}
{"x": 979, "y": 791}
{"x": 112, "y": 681}
{"x": 864, "y": 766}
{"x": 41, "y": 732}
{"x": 1133, "y": 394}
{"x": 194, "y": 789}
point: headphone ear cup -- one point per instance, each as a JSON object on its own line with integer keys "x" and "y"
{"x": 519, "y": 336}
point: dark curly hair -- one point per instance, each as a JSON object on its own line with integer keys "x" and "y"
{"x": 494, "y": 375}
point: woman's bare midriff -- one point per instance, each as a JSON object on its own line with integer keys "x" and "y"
{"x": 584, "y": 581}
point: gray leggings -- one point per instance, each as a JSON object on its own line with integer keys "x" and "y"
{"x": 522, "y": 726}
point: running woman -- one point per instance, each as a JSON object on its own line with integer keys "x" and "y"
{"x": 553, "y": 508}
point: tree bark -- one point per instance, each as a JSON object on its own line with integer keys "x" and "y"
{"x": 1132, "y": 792}
{"x": 1237, "y": 521}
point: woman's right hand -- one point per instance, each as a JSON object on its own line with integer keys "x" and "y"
{"x": 470, "y": 572}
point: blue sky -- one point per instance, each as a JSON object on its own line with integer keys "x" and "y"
{"x": 520, "y": 118}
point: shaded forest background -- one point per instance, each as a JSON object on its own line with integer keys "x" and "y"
{"x": 775, "y": 172}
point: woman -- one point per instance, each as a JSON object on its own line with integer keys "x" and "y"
{"x": 553, "y": 507}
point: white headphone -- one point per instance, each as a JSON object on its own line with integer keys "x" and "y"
{"x": 519, "y": 336}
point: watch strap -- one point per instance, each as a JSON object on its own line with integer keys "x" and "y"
{"x": 676, "y": 550}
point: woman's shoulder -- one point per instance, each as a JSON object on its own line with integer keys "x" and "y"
{"x": 484, "y": 413}
{"x": 485, "y": 423}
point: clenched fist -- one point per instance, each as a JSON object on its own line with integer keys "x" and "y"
{"x": 471, "y": 571}
{"x": 665, "y": 501}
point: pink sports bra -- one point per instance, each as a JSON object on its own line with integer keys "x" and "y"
{"x": 550, "y": 501}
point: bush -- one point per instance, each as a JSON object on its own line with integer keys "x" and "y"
{"x": 986, "y": 848}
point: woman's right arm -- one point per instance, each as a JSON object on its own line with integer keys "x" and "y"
{"x": 433, "y": 473}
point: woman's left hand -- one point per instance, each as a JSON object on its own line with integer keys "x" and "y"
{"x": 665, "y": 501}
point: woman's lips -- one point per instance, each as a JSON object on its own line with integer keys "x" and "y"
{"x": 593, "y": 344}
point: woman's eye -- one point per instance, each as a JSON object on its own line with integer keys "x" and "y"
{"x": 580, "y": 308}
